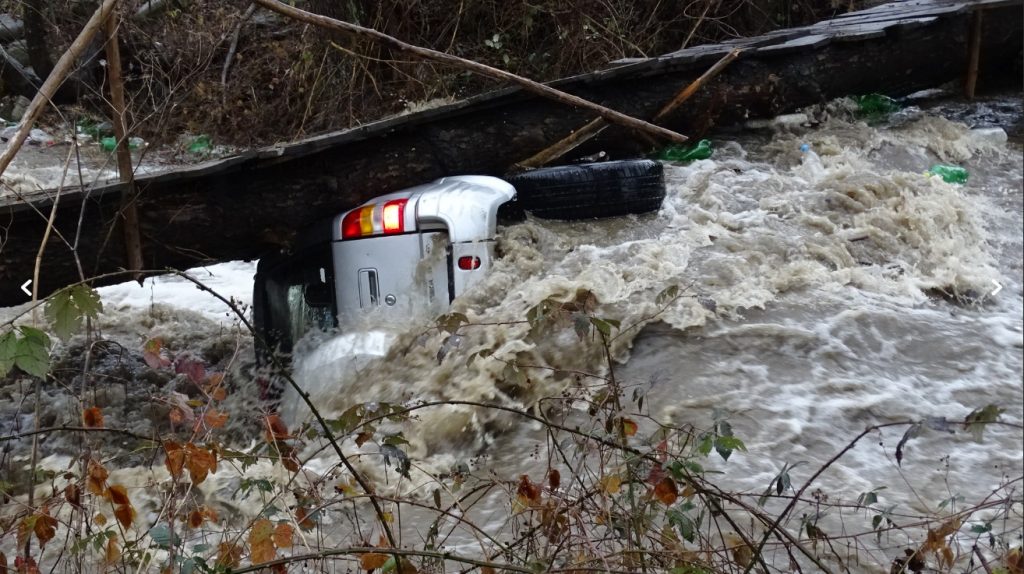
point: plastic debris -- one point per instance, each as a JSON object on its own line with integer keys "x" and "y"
{"x": 96, "y": 130}
{"x": 702, "y": 150}
{"x": 110, "y": 143}
{"x": 200, "y": 144}
{"x": 876, "y": 106}
{"x": 949, "y": 173}
{"x": 805, "y": 148}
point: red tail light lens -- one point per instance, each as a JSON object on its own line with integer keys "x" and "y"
{"x": 394, "y": 216}
{"x": 357, "y": 223}
{"x": 469, "y": 262}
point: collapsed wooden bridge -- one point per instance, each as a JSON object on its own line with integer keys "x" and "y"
{"x": 242, "y": 206}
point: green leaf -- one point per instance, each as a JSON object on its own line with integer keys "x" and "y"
{"x": 668, "y": 294}
{"x": 451, "y": 322}
{"x": 163, "y": 537}
{"x": 979, "y": 418}
{"x": 707, "y": 441}
{"x": 33, "y": 352}
{"x": 68, "y": 308}
{"x": 683, "y": 524}
{"x": 604, "y": 326}
{"x": 581, "y": 324}
{"x": 8, "y": 351}
{"x": 724, "y": 445}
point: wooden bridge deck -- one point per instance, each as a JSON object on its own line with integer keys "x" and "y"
{"x": 241, "y": 206}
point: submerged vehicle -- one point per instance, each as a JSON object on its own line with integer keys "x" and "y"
{"x": 413, "y": 251}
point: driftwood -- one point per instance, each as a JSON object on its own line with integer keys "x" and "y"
{"x": 244, "y": 206}
{"x": 597, "y": 125}
{"x": 609, "y": 115}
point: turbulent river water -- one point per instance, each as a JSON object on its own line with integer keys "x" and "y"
{"x": 824, "y": 288}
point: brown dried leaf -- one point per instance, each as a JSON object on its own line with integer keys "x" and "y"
{"x": 283, "y": 535}
{"x": 666, "y": 491}
{"x": 45, "y": 527}
{"x": 175, "y": 460}
{"x": 372, "y": 560}
{"x": 125, "y": 514}
{"x": 72, "y": 494}
{"x": 200, "y": 462}
{"x": 92, "y": 418}
{"x": 113, "y": 553}
{"x": 611, "y": 484}
{"x": 215, "y": 419}
{"x": 554, "y": 479}
{"x": 229, "y": 555}
{"x": 100, "y": 519}
{"x": 629, "y": 427}
{"x": 261, "y": 541}
{"x": 275, "y": 429}
{"x": 303, "y": 519}
{"x": 118, "y": 494}
{"x": 528, "y": 492}
{"x": 96, "y": 480}
{"x": 3, "y": 563}
{"x": 362, "y": 437}
{"x": 219, "y": 394}
{"x": 195, "y": 519}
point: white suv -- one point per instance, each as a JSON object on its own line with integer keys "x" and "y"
{"x": 417, "y": 249}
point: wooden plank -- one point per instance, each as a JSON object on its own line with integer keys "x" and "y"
{"x": 797, "y": 44}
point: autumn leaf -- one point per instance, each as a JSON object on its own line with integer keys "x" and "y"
{"x": 73, "y": 495}
{"x": 191, "y": 367}
{"x": 283, "y": 535}
{"x": 261, "y": 542}
{"x": 96, "y": 481}
{"x": 100, "y": 519}
{"x": 554, "y": 479}
{"x": 304, "y": 519}
{"x": 199, "y": 462}
{"x": 195, "y": 519}
{"x": 666, "y": 491}
{"x": 610, "y": 484}
{"x": 45, "y": 527}
{"x": 372, "y": 560}
{"x": 151, "y": 353}
{"x": 528, "y": 492}
{"x": 3, "y": 563}
{"x": 92, "y": 418}
{"x": 125, "y": 514}
{"x": 214, "y": 419}
{"x": 219, "y": 394}
{"x": 629, "y": 427}
{"x": 1014, "y": 561}
{"x": 289, "y": 459}
{"x": 362, "y": 437}
{"x": 275, "y": 429}
{"x": 175, "y": 460}
{"x": 25, "y": 565}
{"x": 118, "y": 494}
{"x": 228, "y": 555}
{"x": 113, "y": 553}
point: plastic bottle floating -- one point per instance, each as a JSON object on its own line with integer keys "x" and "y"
{"x": 702, "y": 150}
{"x": 949, "y": 173}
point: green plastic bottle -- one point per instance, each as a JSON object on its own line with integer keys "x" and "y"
{"x": 200, "y": 144}
{"x": 702, "y": 150}
{"x": 110, "y": 143}
{"x": 949, "y": 173}
{"x": 876, "y": 106}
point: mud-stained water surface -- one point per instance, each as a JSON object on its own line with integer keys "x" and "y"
{"x": 820, "y": 283}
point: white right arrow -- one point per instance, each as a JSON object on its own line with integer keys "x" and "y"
{"x": 997, "y": 289}
{"x": 24, "y": 287}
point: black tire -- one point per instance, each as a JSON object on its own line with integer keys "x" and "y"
{"x": 591, "y": 190}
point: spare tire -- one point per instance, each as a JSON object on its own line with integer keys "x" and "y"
{"x": 591, "y": 190}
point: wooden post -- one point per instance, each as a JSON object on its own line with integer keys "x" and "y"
{"x": 973, "y": 54}
{"x": 129, "y": 210}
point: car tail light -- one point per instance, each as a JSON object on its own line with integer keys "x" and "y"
{"x": 469, "y": 262}
{"x": 374, "y": 219}
{"x": 394, "y": 220}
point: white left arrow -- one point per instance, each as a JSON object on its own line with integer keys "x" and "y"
{"x": 24, "y": 287}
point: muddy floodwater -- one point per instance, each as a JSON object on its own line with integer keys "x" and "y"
{"x": 822, "y": 283}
